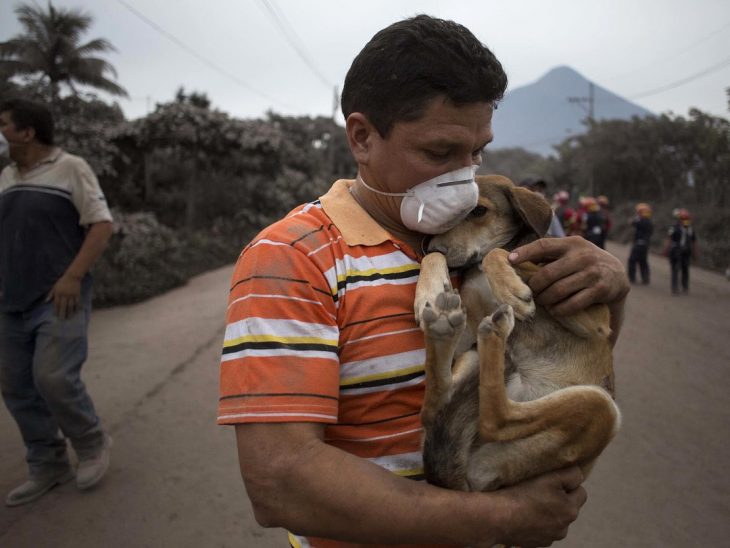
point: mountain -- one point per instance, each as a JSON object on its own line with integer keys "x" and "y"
{"x": 539, "y": 115}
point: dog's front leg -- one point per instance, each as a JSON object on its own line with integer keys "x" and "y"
{"x": 442, "y": 318}
{"x": 432, "y": 280}
{"x": 507, "y": 286}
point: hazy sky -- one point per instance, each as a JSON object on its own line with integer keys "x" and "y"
{"x": 237, "y": 53}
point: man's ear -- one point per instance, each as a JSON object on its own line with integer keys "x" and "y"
{"x": 28, "y": 134}
{"x": 360, "y": 133}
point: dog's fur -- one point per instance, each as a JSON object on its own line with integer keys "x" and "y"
{"x": 534, "y": 393}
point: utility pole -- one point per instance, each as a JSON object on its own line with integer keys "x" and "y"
{"x": 590, "y": 111}
{"x": 590, "y": 100}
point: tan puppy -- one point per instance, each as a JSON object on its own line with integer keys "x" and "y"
{"x": 534, "y": 394}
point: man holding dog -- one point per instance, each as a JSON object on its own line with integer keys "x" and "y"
{"x": 322, "y": 366}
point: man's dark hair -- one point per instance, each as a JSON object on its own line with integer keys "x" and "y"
{"x": 412, "y": 61}
{"x": 25, "y": 114}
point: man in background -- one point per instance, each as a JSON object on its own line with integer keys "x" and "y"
{"x": 54, "y": 223}
{"x": 681, "y": 247}
{"x": 643, "y": 229}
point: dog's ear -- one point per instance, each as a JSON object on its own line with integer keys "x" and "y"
{"x": 532, "y": 208}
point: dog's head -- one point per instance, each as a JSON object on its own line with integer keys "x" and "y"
{"x": 506, "y": 216}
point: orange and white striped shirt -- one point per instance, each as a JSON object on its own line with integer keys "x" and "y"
{"x": 321, "y": 328}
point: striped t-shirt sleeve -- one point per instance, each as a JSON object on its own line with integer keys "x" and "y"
{"x": 279, "y": 361}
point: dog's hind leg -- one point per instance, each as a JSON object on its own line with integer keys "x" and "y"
{"x": 494, "y": 405}
{"x": 568, "y": 426}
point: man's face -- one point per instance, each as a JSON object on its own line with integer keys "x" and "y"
{"x": 447, "y": 137}
{"x": 17, "y": 139}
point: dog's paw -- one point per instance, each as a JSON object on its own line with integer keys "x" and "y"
{"x": 508, "y": 288}
{"x": 445, "y": 318}
{"x": 501, "y": 322}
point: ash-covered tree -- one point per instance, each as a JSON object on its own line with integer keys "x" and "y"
{"x": 49, "y": 52}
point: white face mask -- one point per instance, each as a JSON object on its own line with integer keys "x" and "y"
{"x": 439, "y": 204}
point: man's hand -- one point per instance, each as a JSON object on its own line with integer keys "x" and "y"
{"x": 65, "y": 294}
{"x": 577, "y": 274}
{"x": 542, "y": 508}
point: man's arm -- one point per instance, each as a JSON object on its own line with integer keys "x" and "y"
{"x": 66, "y": 292}
{"x": 298, "y": 482}
{"x": 577, "y": 275}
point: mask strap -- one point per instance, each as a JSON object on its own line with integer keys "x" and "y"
{"x": 380, "y": 191}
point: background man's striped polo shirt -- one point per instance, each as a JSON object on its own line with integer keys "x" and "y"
{"x": 44, "y": 214}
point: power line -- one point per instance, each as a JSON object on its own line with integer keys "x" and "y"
{"x": 291, "y": 36}
{"x": 198, "y": 56}
{"x": 725, "y": 62}
{"x": 673, "y": 54}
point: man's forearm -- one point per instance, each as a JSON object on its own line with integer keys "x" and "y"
{"x": 321, "y": 491}
{"x": 94, "y": 244}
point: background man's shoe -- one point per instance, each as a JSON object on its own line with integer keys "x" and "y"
{"x": 92, "y": 469}
{"x": 35, "y": 488}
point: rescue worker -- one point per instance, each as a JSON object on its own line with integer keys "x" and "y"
{"x": 604, "y": 204}
{"x": 681, "y": 246}
{"x": 593, "y": 223}
{"x": 562, "y": 209}
{"x": 643, "y": 228}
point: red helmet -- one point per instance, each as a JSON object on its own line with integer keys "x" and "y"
{"x": 561, "y": 197}
{"x": 684, "y": 215}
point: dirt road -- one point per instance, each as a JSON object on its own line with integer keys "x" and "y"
{"x": 174, "y": 480}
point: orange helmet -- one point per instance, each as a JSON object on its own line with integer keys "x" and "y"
{"x": 591, "y": 204}
{"x": 643, "y": 210}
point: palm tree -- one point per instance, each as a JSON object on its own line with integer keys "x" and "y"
{"x": 49, "y": 48}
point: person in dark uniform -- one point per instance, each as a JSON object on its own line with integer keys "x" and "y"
{"x": 643, "y": 228}
{"x": 605, "y": 205}
{"x": 681, "y": 246}
{"x": 594, "y": 223}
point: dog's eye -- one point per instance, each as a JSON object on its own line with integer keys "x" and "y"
{"x": 478, "y": 211}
